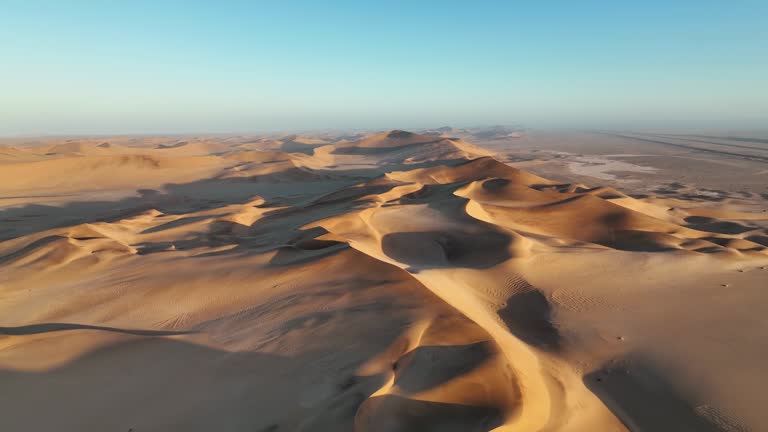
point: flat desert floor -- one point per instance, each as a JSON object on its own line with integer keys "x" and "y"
{"x": 445, "y": 280}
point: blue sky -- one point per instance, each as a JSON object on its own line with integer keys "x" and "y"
{"x": 94, "y": 67}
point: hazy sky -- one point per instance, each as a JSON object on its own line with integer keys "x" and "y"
{"x": 77, "y": 66}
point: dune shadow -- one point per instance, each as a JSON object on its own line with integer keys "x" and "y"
{"x": 306, "y": 247}
{"x": 153, "y": 380}
{"x": 703, "y": 223}
{"x": 392, "y": 413}
{"x": 435, "y": 249}
{"x": 527, "y": 315}
{"x": 642, "y": 398}
{"x": 759, "y": 239}
{"x": 57, "y": 327}
{"x": 429, "y": 366}
{"x": 164, "y": 384}
{"x": 176, "y": 224}
{"x": 30, "y": 247}
{"x": 177, "y": 198}
{"x": 354, "y": 150}
{"x": 637, "y": 241}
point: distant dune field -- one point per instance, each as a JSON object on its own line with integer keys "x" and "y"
{"x": 393, "y": 281}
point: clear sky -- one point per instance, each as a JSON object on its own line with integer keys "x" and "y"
{"x": 162, "y": 66}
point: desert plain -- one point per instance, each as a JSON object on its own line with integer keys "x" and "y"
{"x": 483, "y": 279}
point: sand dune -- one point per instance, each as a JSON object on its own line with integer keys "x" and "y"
{"x": 396, "y": 282}
{"x": 408, "y": 147}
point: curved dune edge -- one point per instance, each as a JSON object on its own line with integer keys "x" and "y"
{"x": 550, "y": 392}
{"x": 550, "y": 389}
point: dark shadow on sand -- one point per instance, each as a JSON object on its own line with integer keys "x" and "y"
{"x": 643, "y": 399}
{"x": 429, "y": 366}
{"x": 57, "y": 327}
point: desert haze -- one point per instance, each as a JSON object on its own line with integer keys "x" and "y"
{"x": 447, "y": 280}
